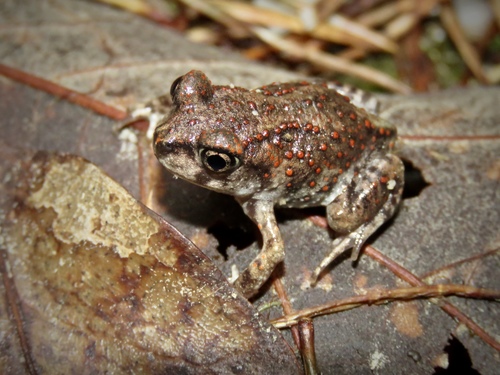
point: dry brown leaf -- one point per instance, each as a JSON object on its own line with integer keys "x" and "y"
{"x": 98, "y": 284}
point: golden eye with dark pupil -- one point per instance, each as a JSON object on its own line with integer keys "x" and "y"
{"x": 218, "y": 161}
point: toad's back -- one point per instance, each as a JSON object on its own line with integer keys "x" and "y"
{"x": 293, "y": 142}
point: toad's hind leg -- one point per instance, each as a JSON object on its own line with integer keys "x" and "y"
{"x": 272, "y": 252}
{"x": 363, "y": 206}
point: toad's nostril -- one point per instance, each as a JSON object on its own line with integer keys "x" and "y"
{"x": 162, "y": 146}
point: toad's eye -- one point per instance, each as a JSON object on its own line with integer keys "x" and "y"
{"x": 174, "y": 85}
{"x": 219, "y": 161}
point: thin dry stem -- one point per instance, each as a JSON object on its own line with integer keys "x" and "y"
{"x": 466, "y": 50}
{"x": 449, "y": 308}
{"x": 495, "y": 4}
{"x": 377, "y": 297}
{"x": 339, "y": 29}
{"x": 306, "y": 328}
{"x": 330, "y": 61}
{"x": 62, "y": 92}
{"x": 287, "y": 308}
{"x": 473, "y": 258}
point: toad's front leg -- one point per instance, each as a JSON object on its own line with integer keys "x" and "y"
{"x": 272, "y": 252}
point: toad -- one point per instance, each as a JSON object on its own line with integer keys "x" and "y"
{"x": 297, "y": 144}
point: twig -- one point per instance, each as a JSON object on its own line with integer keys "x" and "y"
{"x": 377, "y": 297}
{"x": 460, "y": 262}
{"x": 466, "y": 50}
{"x": 330, "y": 61}
{"x": 306, "y": 329}
{"x": 17, "y": 318}
{"x": 449, "y": 308}
{"x": 62, "y": 92}
{"x": 287, "y": 307}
